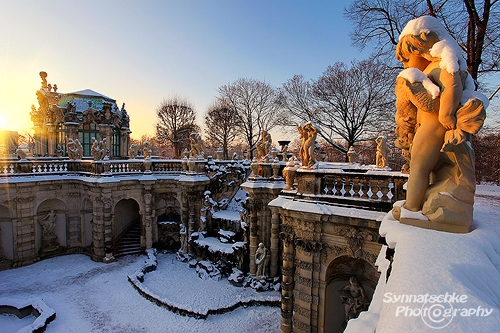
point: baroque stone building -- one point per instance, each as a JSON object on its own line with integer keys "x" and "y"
{"x": 81, "y": 116}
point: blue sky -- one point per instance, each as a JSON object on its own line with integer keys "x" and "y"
{"x": 140, "y": 52}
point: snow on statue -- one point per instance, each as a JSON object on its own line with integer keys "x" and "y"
{"x": 436, "y": 111}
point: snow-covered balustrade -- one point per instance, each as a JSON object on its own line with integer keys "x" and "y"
{"x": 40, "y": 166}
{"x": 365, "y": 187}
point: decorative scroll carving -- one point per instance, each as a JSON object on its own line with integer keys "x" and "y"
{"x": 308, "y": 246}
{"x": 333, "y": 249}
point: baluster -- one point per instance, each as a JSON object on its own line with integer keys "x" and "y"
{"x": 338, "y": 186}
{"x": 384, "y": 189}
{"x": 12, "y": 168}
{"x": 355, "y": 187}
{"x": 374, "y": 188}
{"x": 4, "y": 169}
{"x": 348, "y": 187}
{"x": 364, "y": 187}
{"x": 65, "y": 167}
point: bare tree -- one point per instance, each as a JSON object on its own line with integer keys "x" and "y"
{"x": 474, "y": 24}
{"x": 255, "y": 104}
{"x": 176, "y": 121}
{"x": 221, "y": 126}
{"x": 353, "y": 102}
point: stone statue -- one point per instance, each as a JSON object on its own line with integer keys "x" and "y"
{"x": 264, "y": 147}
{"x": 146, "y": 150}
{"x": 196, "y": 146}
{"x": 308, "y": 134}
{"x": 436, "y": 111}
{"x": 183, "y": 238}
{"x": 95, "y": 150}
{"x": 284, "y": 152}
{"x": 104, "y": 151}
{"x": 354, "y": 299}
{"x": 382, "y": 152}
{"x": 289, "y": 172}
{"x": 75, "y": 149}
{"x": 133, "y": 151}
{"x": 48, "y": 224}
{"x": 261, "y": 260}
{"x": 254, "y": 167}
{"x": 351, "y": 155}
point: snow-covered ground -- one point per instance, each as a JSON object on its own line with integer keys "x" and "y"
{"x": 440, "y": 281}
{"x": 96, "y": 297}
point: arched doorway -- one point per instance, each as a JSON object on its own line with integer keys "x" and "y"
{"x": 126, "y": 215}
{"x": 343, "y": 274}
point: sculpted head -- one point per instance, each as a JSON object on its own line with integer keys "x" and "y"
{"x": 413, "y": 50}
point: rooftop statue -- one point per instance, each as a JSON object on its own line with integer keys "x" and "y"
{"x": 382, "y": 152}
{"x": 195, "y": 142}
{"x": 436, "y": 111}
{"x": 308, "y": 134}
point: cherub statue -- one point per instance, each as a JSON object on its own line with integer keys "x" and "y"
{"x": 436, "y": 110}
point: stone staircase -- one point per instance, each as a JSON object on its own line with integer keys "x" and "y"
{"x": 130, "y": 242}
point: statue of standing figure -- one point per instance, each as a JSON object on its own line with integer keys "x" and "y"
{"x": 196, "y": 151}
{"x": 261, "y": 260}
{"x": 382, "y": 152}
{"x": 183, "y": 238}
{"x": 437, "y": 110}
{"x": 75, "y": 149}
{"x": 264, "y": 146}
{"x": 49, "y": 238}
{"x": 308, "y": 134}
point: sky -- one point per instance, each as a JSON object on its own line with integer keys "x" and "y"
{"x": 141, "y": 52}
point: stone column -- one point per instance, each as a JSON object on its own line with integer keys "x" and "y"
{"x": 72, "y": 130}
{"x": 275, "y": 242}
{"x": 98, "y": 227}
{"x": 51, "y": 139}
{"x": 287, "y": 283}
{"x": 254, "y": 231}
{"x": 124, "y": 141}
{"x": 108, "y": 226}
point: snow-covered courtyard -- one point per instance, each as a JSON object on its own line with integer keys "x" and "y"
{"x": 96, "y": 297}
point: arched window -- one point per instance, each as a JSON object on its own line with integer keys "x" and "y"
{"x": 115, "y": 142}
{"x": 85, "y": 134}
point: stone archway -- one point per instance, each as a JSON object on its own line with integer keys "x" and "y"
{"x": 51, "y": 228}
{"x": 338, "y": 283}
{"x": 126, "y": 214}
{"x": 6, "y": 235}
{"x": 168, "y": 224}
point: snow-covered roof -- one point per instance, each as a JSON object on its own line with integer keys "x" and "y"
{"x": 91, "y": 93}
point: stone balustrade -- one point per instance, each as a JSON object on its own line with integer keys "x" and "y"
{"x": 44, "y": 166}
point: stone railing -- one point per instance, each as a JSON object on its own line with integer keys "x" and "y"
{"x": 58, "y": 166}
{"x": 341, "y": 184}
